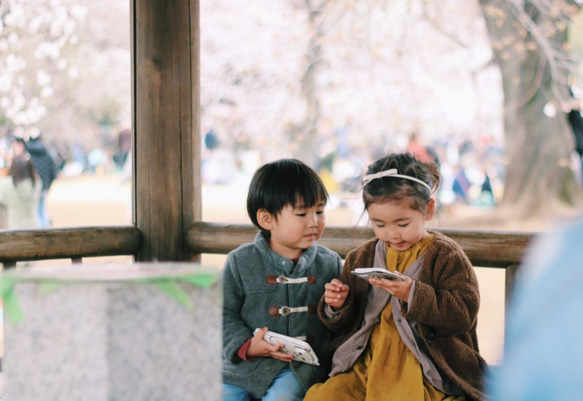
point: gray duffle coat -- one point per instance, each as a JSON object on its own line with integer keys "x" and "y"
{"x": 251, "y": 298}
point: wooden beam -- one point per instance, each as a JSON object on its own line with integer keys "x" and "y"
{"x": 484, "y": 248}
{"x": 165, "y": 65}
{"x": 68, "y": 243}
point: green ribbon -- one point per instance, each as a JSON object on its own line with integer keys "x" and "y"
{"x": 170, "y": 286}
{"x": 167, "y": 285}
{"x": 12, "y": 308}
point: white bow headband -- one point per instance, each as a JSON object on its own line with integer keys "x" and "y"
{"x": 392, "y": 173}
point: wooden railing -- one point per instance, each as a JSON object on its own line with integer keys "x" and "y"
{"x": 501, "y": 250}
{"x": 68, "y": 243}
{"x": 492, "y": 249}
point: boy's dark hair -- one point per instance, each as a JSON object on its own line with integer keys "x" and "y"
{"x": 286, "y": 181}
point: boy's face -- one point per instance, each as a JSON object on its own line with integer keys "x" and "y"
{"x": 294, "y": 229}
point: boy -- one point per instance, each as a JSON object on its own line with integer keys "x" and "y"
{"x": 275, "y": 283}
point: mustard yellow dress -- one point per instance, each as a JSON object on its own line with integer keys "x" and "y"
{"x": 387, "y": 370}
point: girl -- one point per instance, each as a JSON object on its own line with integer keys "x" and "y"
{"x": 413, "y": 339}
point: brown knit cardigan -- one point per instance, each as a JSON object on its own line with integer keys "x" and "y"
{"x": 445, "y": 304}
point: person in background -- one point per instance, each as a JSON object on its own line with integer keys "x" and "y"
{"x": 543, "y": 356}
{"x": 123, "y": 148}
{"x": 419, "y": 150}
{"x": 18, "y": 147}
{"x": 413, "y": 339}
{"x": 461, "y": 186}
{"x": 275, "y": 283}
{"x": 19, "y": 193}
{"x": 572, "y": 108}
{"x": 46, "y": 169}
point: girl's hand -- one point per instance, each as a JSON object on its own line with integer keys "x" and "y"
{"x": 261, "y": 348}
{"x": 396, "y": 288}
{"x": 336, "y": 293}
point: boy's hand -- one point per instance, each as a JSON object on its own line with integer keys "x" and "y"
{"x": 261, "y": 348}
{"x": 397, "y": 288}
{"x": 336, "y": 293}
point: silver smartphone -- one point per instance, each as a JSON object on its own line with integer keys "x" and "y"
{"x": 377, "y": 272}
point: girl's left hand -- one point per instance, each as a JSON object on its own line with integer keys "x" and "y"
{"x": 397, "y": 288}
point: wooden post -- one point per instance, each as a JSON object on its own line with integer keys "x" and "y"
{"x": 165, "y": 36}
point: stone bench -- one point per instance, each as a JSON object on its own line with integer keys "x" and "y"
{"x": 112, "y": 332}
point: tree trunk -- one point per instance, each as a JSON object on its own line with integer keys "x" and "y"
{"x": 304, "y": 136}
{"x": 539, "y": 181}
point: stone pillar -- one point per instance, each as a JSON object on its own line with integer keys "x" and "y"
{"x": 113, "y": 332}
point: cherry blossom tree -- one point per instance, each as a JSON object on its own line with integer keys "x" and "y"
{"x": 65, "y": 66}
{"x": 529, "y": 41}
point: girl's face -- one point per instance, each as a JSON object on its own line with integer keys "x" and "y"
{"x": 398, "y": 224}
{"x": 294, "y": 229}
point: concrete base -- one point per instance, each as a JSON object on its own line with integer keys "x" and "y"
{"x": 117, "y": 340}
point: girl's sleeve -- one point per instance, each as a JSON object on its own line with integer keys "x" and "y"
{"x": 451, "y": 304}
{"x": 343, "y": 317}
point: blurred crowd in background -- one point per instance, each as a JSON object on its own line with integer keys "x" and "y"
{"x": 473, "y": 170}
{"x": 29, "y": 163}
{"x": 73, "y": 158}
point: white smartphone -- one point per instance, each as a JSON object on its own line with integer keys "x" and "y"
{"x": 301, "y": 350}
{"x": 377, "y": 272}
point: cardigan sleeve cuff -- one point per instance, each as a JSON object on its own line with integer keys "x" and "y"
{"x": 329, "y": 312}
